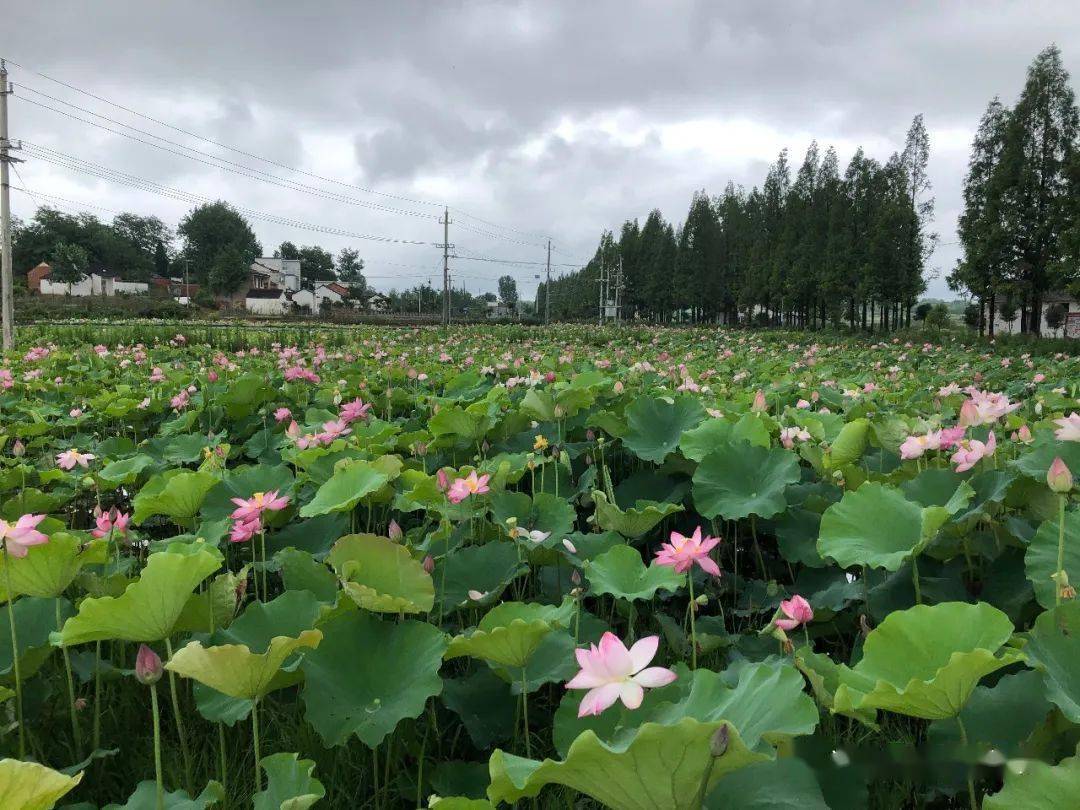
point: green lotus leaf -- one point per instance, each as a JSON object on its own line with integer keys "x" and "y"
{"x": 125, "y": 471}
{"x": 35, "y": 621}
{"x": 175, "y": 494}
{"x": 1034, "y": 785}
{"x": 145, "y": 798}
{"x": 367, "y": 675}
{"x": 350, "y": 483}
{"x": 302, "y": 572}
{"x": 539, "y": 405}
{"x": 543, "y": 512}
{"x": 382, "y": 575}
{"x": 642, "y": 517}
{"x": 489, "y": 569}
{"x": 926, "y": 661}
{"x": 48, "y": 569}
{"x": 212, "y": 608}
{"x": 849, "y": 445}
{"x": 824, "y": 676}
{"x": 485, "y": 704}
{"x": 877, "y": 526}
{"x": 149, "y": 608}
{"x": 244, "y": 482}
{"x": 660, "y": 768}
{"x": 708, "y": 437}
{"x": 1054, "y": 650}
{"x": 740, "y": 479}
{"x": 510, "y": 632}
{"x": 1040, "y": 559}
{"x": 459, "y": 803}
{"x": 782, "y": 783}
{"x": 1036, "y": 461}
{"x": 621, "y": 573}
{"x": 655, "y": 426}
{"x": 30, "y": 786}
{"x": 289, "y": 783}
{"x": 245, "y": 394}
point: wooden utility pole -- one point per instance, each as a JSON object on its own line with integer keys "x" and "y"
{"x": 445, "y": 222}
{"x": 7, "y": 305}
{"x": 547, "y": 286}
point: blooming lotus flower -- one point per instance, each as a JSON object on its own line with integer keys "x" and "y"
{"x": 682, "y": 552}
{"x": 281, "y": 414}
{"x": 112, "y": 521}
{"x": 972, "y": 451}
{"x": 472, "y": 484}
{"x": 534, "y": 536}
{"x": 789, "y": 435}
{"x": 1068, "y": 428}
{"x": 611, "y": 672}
{"x": 69, "y": 458}
{"x": 796, "y": 611}
{"x": 355, "y": 410}
{"x": 950, "y": 437}
{"x": 242, "y": 531}
{"x": 253, "y": 507}
{"x": 17, "y": 537}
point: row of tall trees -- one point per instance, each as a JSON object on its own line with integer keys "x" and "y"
{"x": 1020, "y": 230}
{"x": 809, "y": 247}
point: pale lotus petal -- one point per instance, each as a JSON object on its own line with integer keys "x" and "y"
{"x": 600, "y": 698}
{"x": 631, "y": 694}
{"x": 654, "y": 677}
{"x": 643, "y": 652}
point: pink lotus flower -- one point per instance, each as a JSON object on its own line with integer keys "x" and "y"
{"x": 972, "y": 451}
{"x": 17, "y": 537}
{"x": 242, "y": 531}
{"x": 111, "y": 522}
{"x": 281, "y": 414}
{"x": 790, "y": 435}
{"x": 335, "y": 429}
{"x": 797, "y": 611}
{"x": 985, "y": 408}
{"x": 950, "y": 437}
{"x": 253, "y": 507}
{"x": 1059, "y": 477}
{"x": 472, "y": 484}
{"x": 355, "y": 410}
{"x": 1068, "y": 428}
{"x": 611, "y": 672}
{"x": 69, "y": 458}
{"x": 682, "y": 552}
{"x": 1023, "y": 435}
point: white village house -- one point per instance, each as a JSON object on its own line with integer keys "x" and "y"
{"x": 268, "y": 302}
{"x": 98, "y": 283}
{"x": 323, "y": 295}
{"x": 1070, "y": 325}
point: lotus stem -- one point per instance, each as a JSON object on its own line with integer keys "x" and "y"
{"x": 970, "y": 771}
{"x": 179, "y": 723}
{"x": 693, "y": 631}
{"x": 262, "y": 553}
{"x": 14, "y": 654}
{"x": 157, "y": 747}
{"x": 221, "y": 756}
{"x": 525, "y": 713}
{"x": 1061, "y": 550}
{"x": 255, "y": 743}
{"x": 915, "y": 580}
{"x": 96, "y": 742}
{"x": 76, "y": 733}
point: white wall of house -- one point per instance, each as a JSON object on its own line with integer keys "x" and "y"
{"x": 267, "y": 306}
{"x": 1013, "y": 326}
{"x": 128, "y": 287}
{"x": 94, "y": 284}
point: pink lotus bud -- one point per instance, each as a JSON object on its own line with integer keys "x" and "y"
{"x": 148, "y": 666}
{"x": 575, "y": 577}
{"x": 429, "y": 563}
{"x": 212, "y": 376}
{"x": 1058, "y": 477}
{"x": 549, "y": 377}
{"x": 18, "y": 450}
{"x": 442, "y": 481}
{"x": 759, "y": 405}
{"x": 394, "y": 532}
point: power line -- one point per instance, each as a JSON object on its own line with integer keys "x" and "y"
{"x": 248, "y": 154}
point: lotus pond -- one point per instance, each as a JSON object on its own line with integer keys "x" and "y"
{"x": 474, "y": 567}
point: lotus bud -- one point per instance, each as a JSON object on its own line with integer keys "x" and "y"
{"x": 718, "y": 744}
{"x": 1058, "y": 477}
{"x": 442, "y": 480}
{"x": 148, "y": 666}
{"x": 569, "y": 546}
{"x": 80, "y": 704}
{"x": 759, "y": 405}
{"x": 618, "y": 387}
{"x": 429, "y": 563}
{"x": 575, "y": 577}
{"x": 549, "y": 377}
{"x": 701, "y": 599}
{"x": 18, "y": 450}
{"x": 394, "y": 532}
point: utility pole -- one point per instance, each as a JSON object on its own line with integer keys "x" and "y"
{"x": 603, "y": 282}
{"x": 547, "y": 287}
{"x": 7, "y": 306}
{"x": 446, "y": 246}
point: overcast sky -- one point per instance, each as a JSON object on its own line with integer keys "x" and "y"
{"x": 554, "y": 118}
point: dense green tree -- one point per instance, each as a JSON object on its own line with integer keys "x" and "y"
{"x": 316, "y": 264}
{"x": 229, "y": 271}
{"x": 508, "y": 292}
{"x": 69, "y": 263}
{"x": 211, "y": 229}
{"x": 350, "y": 270}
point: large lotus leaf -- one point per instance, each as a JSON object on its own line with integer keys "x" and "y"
{"x": 35, "y": 621}
{"x": 289, "y": 783}
{"x": 877, "y": 526}
{"x": 245, "y": 394}
{"x": 621, "y": 573}
{"x": 48, "y": 569}
{"x": 213, "y": 607}
{"x": 659, "y": 768}
{"x": 510, "y": 632}
{"x": 244, "y": 482}
{"x": 767, "y": 705}
{"x": 543, "y": 512}
{"x": 350, "y": 483}
{"x": 1040, "y": 559}
{"x": 149, "y": 608}
{"x": 459, "y": 803}
{"x": 368, "y": 675}
{"x": 849, "y": 445}
{"x": 382, "y": 575}
{"x": 145, "y": 798}
{"x": 775, "y": 785}
{"x": 740, "y": 479}
{"x": 30, "y": 786}
{"x": 125, "y": 471}
{"x": 1036, "y": 461}
{"x": 824, "y": 676}
{"x": 706, "y": 438}
{"x": 488, "y": 569}
{"x": 656, "y": 425}
{"x": 988, "y": 488}
{"x": 1054, "y": 649}
{"x": 175, "y": 494}
{"x": 643, "y": 517}
{"x": 302, "y": 572}
{"x": 233, "y": 669}
{"x": 1034, "y": 785}
{"x": 926, "y": 661}
{"x": 485, "y": 704}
